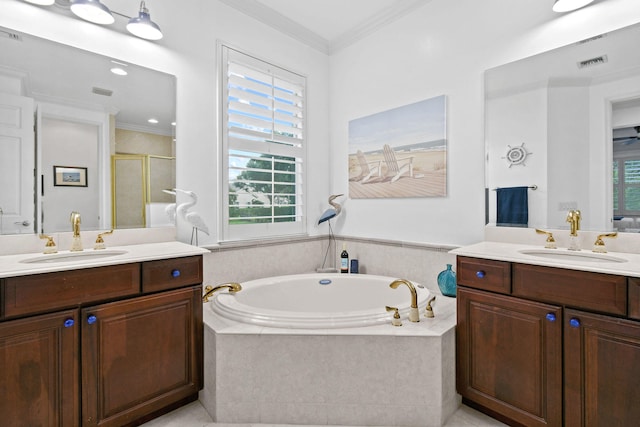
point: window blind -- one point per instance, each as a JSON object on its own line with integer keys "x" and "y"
{"x": 264, "y": 148}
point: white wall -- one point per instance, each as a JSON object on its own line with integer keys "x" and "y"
{"x": 442, "y": 48}
{"x": 523, "y": 114}
{"x": 191, "y": 30}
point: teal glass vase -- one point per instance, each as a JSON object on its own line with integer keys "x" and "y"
{"x": 447, "y": 282}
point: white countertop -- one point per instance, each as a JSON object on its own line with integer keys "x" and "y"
{"x": 512, "y": 252}
{"x": 15, "y": 265}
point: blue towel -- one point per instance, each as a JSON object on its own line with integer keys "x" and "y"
{"x": 513, "y": 207}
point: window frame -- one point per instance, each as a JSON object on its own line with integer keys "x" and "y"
{"x": 239, "y": 232}
{"x": 621, "y": 186}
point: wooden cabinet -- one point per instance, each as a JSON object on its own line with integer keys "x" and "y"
{"x": 139, "y": 355}
{"x": 548, "y": 346}
{"x": 111, "y": 352}
{"x": 510, "y": 356}
{"x": 602, "y": 370}
{"x": 38, "y": 371}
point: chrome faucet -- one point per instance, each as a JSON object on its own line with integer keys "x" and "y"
{"x": 414, "y": 314}
{"x": 209, "y": 290}
{"x": 76, "y": 242}
{"x": 573, "y": 218}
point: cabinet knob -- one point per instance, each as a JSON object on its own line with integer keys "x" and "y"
{"x": 69, "y": 323}
{"x": 91, "y": 319}
{"x": 575, "y": 323}
{"x": 175, "y": 273}
{"x": 480, "y": 274}
{"x": 551, "y": 317}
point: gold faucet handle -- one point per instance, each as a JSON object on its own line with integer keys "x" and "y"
{"x": 428, "y": 312}
{"x": 551, "y": 242}
{"x": 49, "y": 247}
{"x": 100, "y": 241}
{"x": 598, "y": 245}
{"x": 396, "y": 315}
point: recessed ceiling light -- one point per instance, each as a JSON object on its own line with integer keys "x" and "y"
{"x": 119, "y": 71}
{"x": 173, "y": 123}
{"x": 153, "y": 121}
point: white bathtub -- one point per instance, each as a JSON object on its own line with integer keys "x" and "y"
{"x": 317, "y": 301}
{"x": 288, "y": 350}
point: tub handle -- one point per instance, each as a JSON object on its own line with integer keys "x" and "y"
{"x": 209, "y": 290}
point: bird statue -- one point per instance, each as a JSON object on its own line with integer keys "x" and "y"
{"x": 325, "y": 217}
{"x": 331, "y": 212}
{"x": 170, "y": 210}
{"x": 193, "y": 218}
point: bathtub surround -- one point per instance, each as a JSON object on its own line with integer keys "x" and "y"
{"x": 374, "y": 376}
{"x": 240, "y": 262}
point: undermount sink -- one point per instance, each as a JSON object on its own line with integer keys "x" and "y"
{"x": 590, "y": 257}
{"x": 72, "y": 256}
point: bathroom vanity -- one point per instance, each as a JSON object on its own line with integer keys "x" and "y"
{"x": 547, "y": 341}
{"x": 112, "y": 341}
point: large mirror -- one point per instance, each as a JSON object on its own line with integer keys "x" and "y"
{"x": 82, "y": 132}
{"x": 564, "y": 123}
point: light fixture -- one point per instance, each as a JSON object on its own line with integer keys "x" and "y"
{"x": 92, "y": 11}
{"x": 119, "y": 71}
{"x": 142, "y": 25}
{"x": 153, "y": 121}
{"x": 569, "y": 5}
{"x": 41, "y": 2}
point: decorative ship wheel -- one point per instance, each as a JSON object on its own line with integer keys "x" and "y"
{"x": 516, "y": 155}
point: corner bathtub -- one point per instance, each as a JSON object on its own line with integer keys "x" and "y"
{"x": 290, "y": 350}
{"x": 317, "y": 301}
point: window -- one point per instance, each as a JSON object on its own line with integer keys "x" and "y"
{"x": 626, "y": 186}
{"x": 263, "y": 148}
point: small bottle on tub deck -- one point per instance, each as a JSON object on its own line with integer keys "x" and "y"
{"x": 344, "y": 259}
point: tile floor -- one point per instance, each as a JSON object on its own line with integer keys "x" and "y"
{"x": 194, "y": 415}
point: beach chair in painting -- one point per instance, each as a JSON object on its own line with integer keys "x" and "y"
{"x": 368, "y": 169}
{"x": 396, "y": 167}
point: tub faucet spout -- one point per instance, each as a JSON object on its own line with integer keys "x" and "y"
{"x": 209, "y": 290}
{"x": 414, "y": 314}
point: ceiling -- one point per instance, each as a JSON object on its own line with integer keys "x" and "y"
{"x": 64, "y": 75}
{"x": 326, "y": 25}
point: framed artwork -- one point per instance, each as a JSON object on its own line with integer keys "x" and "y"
{"x": 69, "y": 176}
{"x": 400, "y": 152}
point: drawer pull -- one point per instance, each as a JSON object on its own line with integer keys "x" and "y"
{"x": 575, "y": 323}
{"x": 175, "y": 273}
{"x": 480, "y": 274}
{"x": 91, "y": 319}
{"x": 69, "y": 323}
{"x": 551, "y": 317}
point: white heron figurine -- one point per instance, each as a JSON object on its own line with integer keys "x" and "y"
{"x": 193, "y": 218}
{"x": 331, "y": 212}
{"x": 170, "y": 209}
{"x": 326, "y": 216}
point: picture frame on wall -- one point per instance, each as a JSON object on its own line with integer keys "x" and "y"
{"x": 69, "y": 176}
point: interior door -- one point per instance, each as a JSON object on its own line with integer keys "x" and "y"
{"x": 17, "y": 164}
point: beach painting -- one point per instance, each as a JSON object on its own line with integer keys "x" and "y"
{"x": 400, "y": 152}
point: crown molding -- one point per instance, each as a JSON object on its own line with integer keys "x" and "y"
{"x": 291, "y": 28}
{"x": 270, "y": 17}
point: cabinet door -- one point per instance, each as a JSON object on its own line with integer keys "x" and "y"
{"x": 509, "y": 357}
{"x": 602, "y": 370}
{"x": 39, "y": 371}
{"x": 140, "y": 356}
